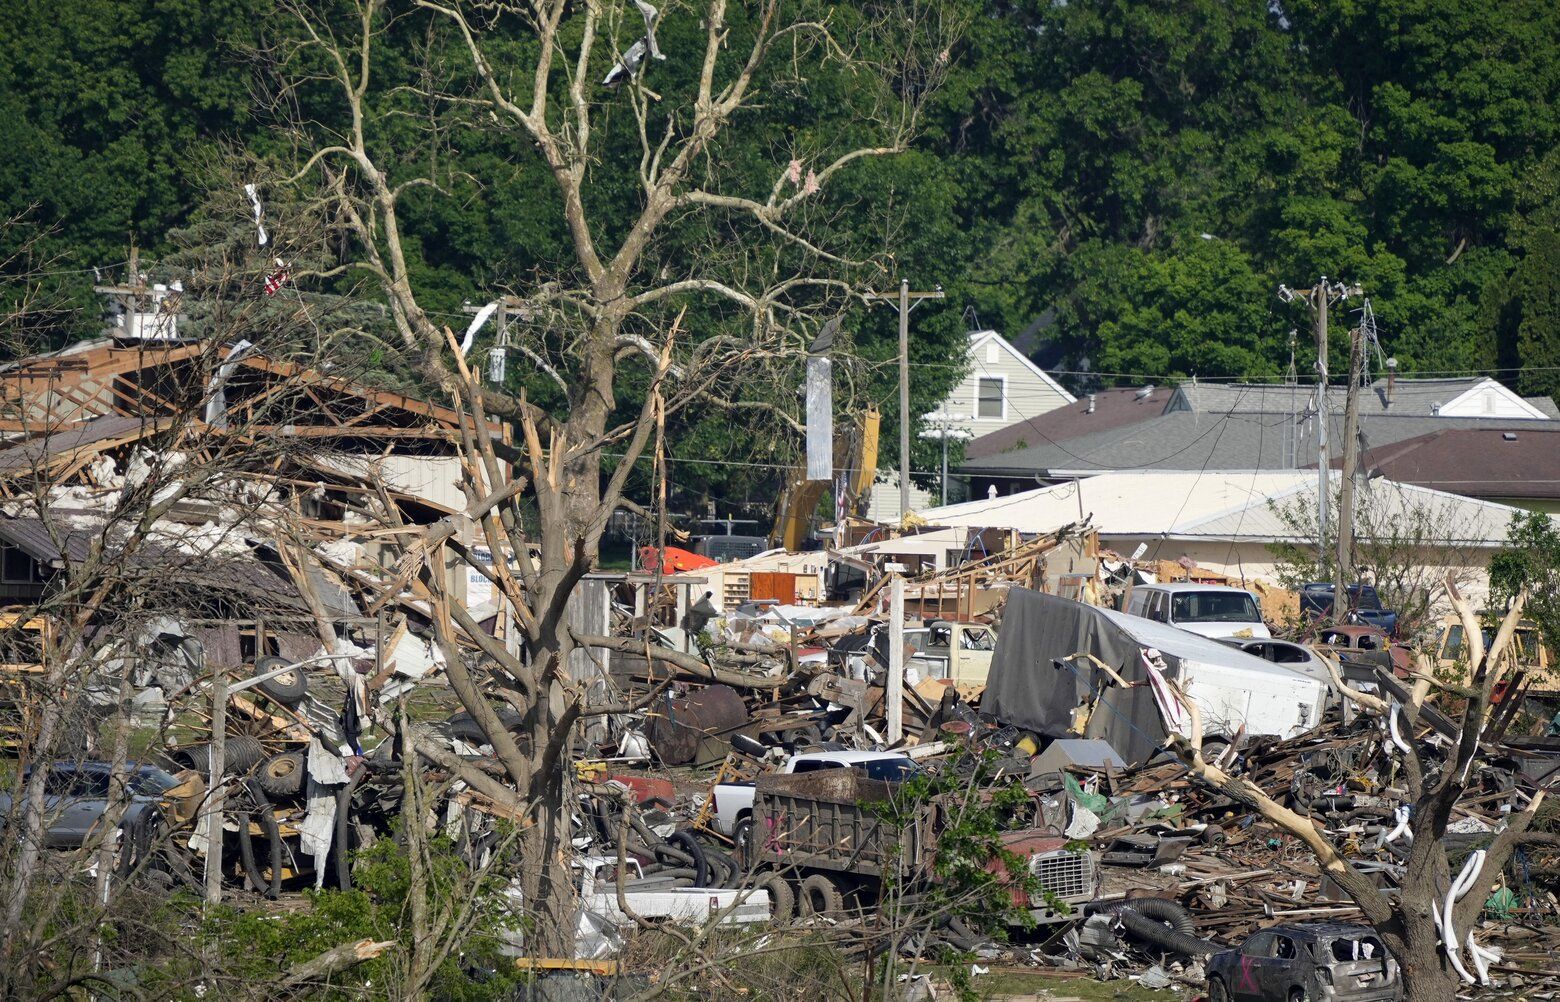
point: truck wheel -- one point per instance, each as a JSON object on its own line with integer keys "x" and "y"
{"x": 289, "y": 687}
{"x": 782, "y": 900}
{"x": 742, "y": 844}
{"x": 820, "y": 897}
{"x": 282, "y": 775}
{"x": 799, "y": 738}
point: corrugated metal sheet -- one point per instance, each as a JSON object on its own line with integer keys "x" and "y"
{"x": 1217, "y": 505}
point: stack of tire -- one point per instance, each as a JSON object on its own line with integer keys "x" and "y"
{"x": 266, "y": 779}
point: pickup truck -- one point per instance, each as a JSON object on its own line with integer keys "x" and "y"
{"x": 733, "y": 808}
{"x": 820, "y": 830}
{"x": 1316, "y": 602}
{"x": 600, "y": 920}
{"x": 957, "y": 652}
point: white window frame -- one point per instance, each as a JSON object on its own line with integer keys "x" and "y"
{"x": 975, "y": 413}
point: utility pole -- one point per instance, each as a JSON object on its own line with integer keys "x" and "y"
{"x": 942, "y": 429}
{"x": 894, "y": 685}
{"x": 1323, "y": 417}
{"x": 1351, "y": 460}
{"x": 907, "y": 301}
{"x": 148, "y": 312}
{"x": 214, "y": 800}
{"x": 1318, "y": 298}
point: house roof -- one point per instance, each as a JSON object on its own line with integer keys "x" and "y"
{"x": 1260, "y": 427}
{"x": 45, "y": 453}
{"x": 978, "y": 338}
{"x": 1112, "y": 409}
{"x": 206, "y": 561}
{"x": 1215, "y": 505}
{"x": 98, "y": 378}
{"x": 32, "y": 537}
{"x": 1508, "y": 462}
{"x": 1409, "y": 396}
{"x": 1151, "y": 503}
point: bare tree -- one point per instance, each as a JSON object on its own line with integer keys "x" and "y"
{"x": 1406, "y": 543}
{"x": 1428, "y": 923}
{"x": 528, "y": 70}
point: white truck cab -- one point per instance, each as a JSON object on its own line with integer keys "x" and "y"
{"x": 957, "y": 652}
{"x": 1207, "y": 610}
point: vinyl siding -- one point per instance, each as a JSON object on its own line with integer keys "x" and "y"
{"x": 1027, "y": 394}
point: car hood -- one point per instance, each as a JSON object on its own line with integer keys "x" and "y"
{"x": 1255, "y": 631}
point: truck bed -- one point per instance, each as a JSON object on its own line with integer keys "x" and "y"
{"x": 817, "y": 820}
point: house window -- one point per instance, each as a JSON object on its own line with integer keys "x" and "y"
{"x": 16, "y": 567}
{"x": 989, "y": 398}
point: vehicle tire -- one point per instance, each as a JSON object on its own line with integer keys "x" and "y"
{"x": 819, "y": 896}
{"x": 1299, "y": 995}
{"x": 742, "y": 845}
{"x": 289, "y": 687}
{"x": 798, "y": 738}
{"x": 282, "y": 775}
{"x": 782, "y": 900}
{"x": 135, "y": 843}
{"x": 1217, "y": 992}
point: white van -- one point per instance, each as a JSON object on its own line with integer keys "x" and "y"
{"x": 1208, "y": 610}
{"x": 1234, "y": 690}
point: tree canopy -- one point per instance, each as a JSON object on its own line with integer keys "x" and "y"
{"x": 1142, "y": 174}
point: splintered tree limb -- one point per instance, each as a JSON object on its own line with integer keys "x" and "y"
{"x": 686, "y": 664}
{"x": 1189, "y": 746}
{"x": 333, "y": 961}
{"x": 474, "y": 778}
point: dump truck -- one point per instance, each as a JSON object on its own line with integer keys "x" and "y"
{"x": 818, "y": 831}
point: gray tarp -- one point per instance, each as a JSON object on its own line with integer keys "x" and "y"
{"x": 1027, "y": 690}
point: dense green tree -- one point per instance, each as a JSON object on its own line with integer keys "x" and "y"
{"x": 1074, "y": 161}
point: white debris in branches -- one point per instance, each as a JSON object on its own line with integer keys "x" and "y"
{"x": 634, "y": 58}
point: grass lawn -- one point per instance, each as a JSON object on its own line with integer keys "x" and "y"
{"x": 1018, "y": 983}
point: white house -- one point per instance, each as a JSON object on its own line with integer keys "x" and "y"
{"x": 1000, "y": 386}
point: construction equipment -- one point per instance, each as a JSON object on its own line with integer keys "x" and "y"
{"x": 855, "y": 451}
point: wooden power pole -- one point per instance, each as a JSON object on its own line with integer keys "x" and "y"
{"x": 1323, "y": 456}
{"x": 907, "y": 301}
{"x": 1318, "y": 298}
{"x": 1351, "y": 460}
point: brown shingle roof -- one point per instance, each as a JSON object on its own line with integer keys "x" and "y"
{"x": 1114, "y": 408}
{"x": 1510, "y": 462}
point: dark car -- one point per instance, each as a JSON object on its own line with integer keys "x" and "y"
{"x": 76, "y": 797}
{"x": 1306, "y": 962}
{"x": 1316, "y": 602}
